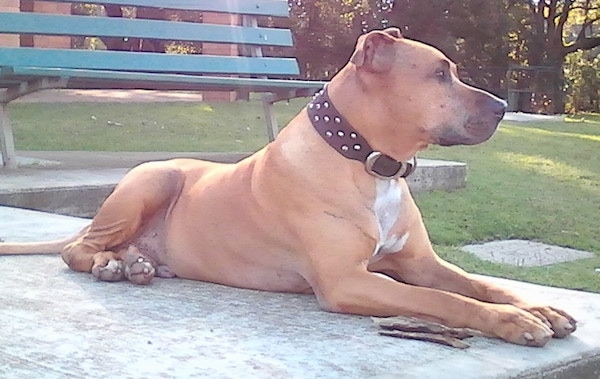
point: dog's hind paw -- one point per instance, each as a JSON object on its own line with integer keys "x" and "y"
{"x": 112, "y": 271}
{"x": 138, "y": 269}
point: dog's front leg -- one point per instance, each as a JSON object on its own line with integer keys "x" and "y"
{"x": 358, "y": 291}
{"x": 445, "y": 276}
{"x": 418, "y": 264}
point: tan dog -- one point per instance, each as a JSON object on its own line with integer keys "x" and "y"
{"x": 306, "y": 215}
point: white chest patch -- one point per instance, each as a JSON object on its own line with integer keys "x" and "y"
{"x": 387, "y": 207}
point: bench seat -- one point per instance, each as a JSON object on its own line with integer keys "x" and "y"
{"x": 103, "y": 79}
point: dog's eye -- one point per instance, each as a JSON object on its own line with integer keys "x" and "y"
{"x": 442, "y": 75}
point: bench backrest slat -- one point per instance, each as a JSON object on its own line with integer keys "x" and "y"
{"x": 276, "y": 8}
{"x": 147, "y": 62}
{"x": 213, "y": 60}
{"x": 90, "y": 26}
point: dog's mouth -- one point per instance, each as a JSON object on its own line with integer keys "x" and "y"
{"x": 474, "y": 131}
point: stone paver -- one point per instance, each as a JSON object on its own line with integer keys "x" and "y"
{"x": 525, "y": 253}
{"x": 528, "y": 117}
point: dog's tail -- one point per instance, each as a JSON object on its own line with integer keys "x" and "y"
{"x": 43, "y": 247}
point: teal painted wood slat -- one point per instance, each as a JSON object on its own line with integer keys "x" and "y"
{"x": 132, "y": 79}
{"x": 36, "y": 23}
{"x": 277, "y": 8}
{"x": 146, "y": 62}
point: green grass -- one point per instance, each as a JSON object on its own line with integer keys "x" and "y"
{"x": 144, "y": 127}
{"x": 537, "y": 181}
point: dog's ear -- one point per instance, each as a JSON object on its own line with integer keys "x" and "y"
{"x": 374, "y": 50}
{"x": 394, "y": 32}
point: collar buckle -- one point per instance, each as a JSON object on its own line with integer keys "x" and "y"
{"x": 383, "y": 166}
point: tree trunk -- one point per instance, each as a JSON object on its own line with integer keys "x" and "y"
{"x": 558, "y": 85}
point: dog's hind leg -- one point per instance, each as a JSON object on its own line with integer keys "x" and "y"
{"x": 104, "y": 248}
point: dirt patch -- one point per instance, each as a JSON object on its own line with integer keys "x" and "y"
{"x": 110, "y": 96}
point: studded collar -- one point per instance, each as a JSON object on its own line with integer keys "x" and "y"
{"x": 342, "y": 137}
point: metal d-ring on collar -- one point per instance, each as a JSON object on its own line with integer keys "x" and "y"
{"x": 340, "y": 135}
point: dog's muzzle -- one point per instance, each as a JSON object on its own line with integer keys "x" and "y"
{"x": 479, "y": 126}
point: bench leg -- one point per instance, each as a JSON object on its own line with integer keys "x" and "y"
{"x": 272, "y": 127}
{"x": 7, "y": 143}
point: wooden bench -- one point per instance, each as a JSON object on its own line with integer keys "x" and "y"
{"x": 24, "y": 70}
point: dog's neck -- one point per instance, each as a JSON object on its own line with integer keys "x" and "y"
{"x": 347, "y": 141}
{"x": 371, "y": 116}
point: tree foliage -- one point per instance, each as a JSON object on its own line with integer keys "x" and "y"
{"x": 477, "y": 34}
{"x": 582, "y": 75}
{"x": 553, "y": 30}
{"x": 325, "y": 32}
{"x": 136, "y": 44}
{"x": 556, "y": 28}
{"x": 484, "y": 37}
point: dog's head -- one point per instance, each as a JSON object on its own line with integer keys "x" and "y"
{"x": 422, "y": 92}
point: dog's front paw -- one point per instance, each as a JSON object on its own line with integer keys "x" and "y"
{"x": 518, "y": 326}
{"x": 138, "y": 269}
{"x": 558, "y": 320}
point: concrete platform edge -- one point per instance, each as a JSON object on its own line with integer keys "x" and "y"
{"x": 80, "y": 192}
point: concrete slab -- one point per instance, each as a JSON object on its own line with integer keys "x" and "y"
{"x": 525, "y": 253}
{"x": 434, "y": 174}
{"x": 78, "y": 160}
{"x": 31, "y": 180}
{"x": 22, "y": 225}
{"x": 55, "y": 323}
{"x": 67, "y": 192}
{"x": 32, "y": 162}
{"x": 82, "y": 180}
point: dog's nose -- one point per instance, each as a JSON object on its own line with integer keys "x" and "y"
{"x": 500, "y": 107}
{"x": 494, "y": 105}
